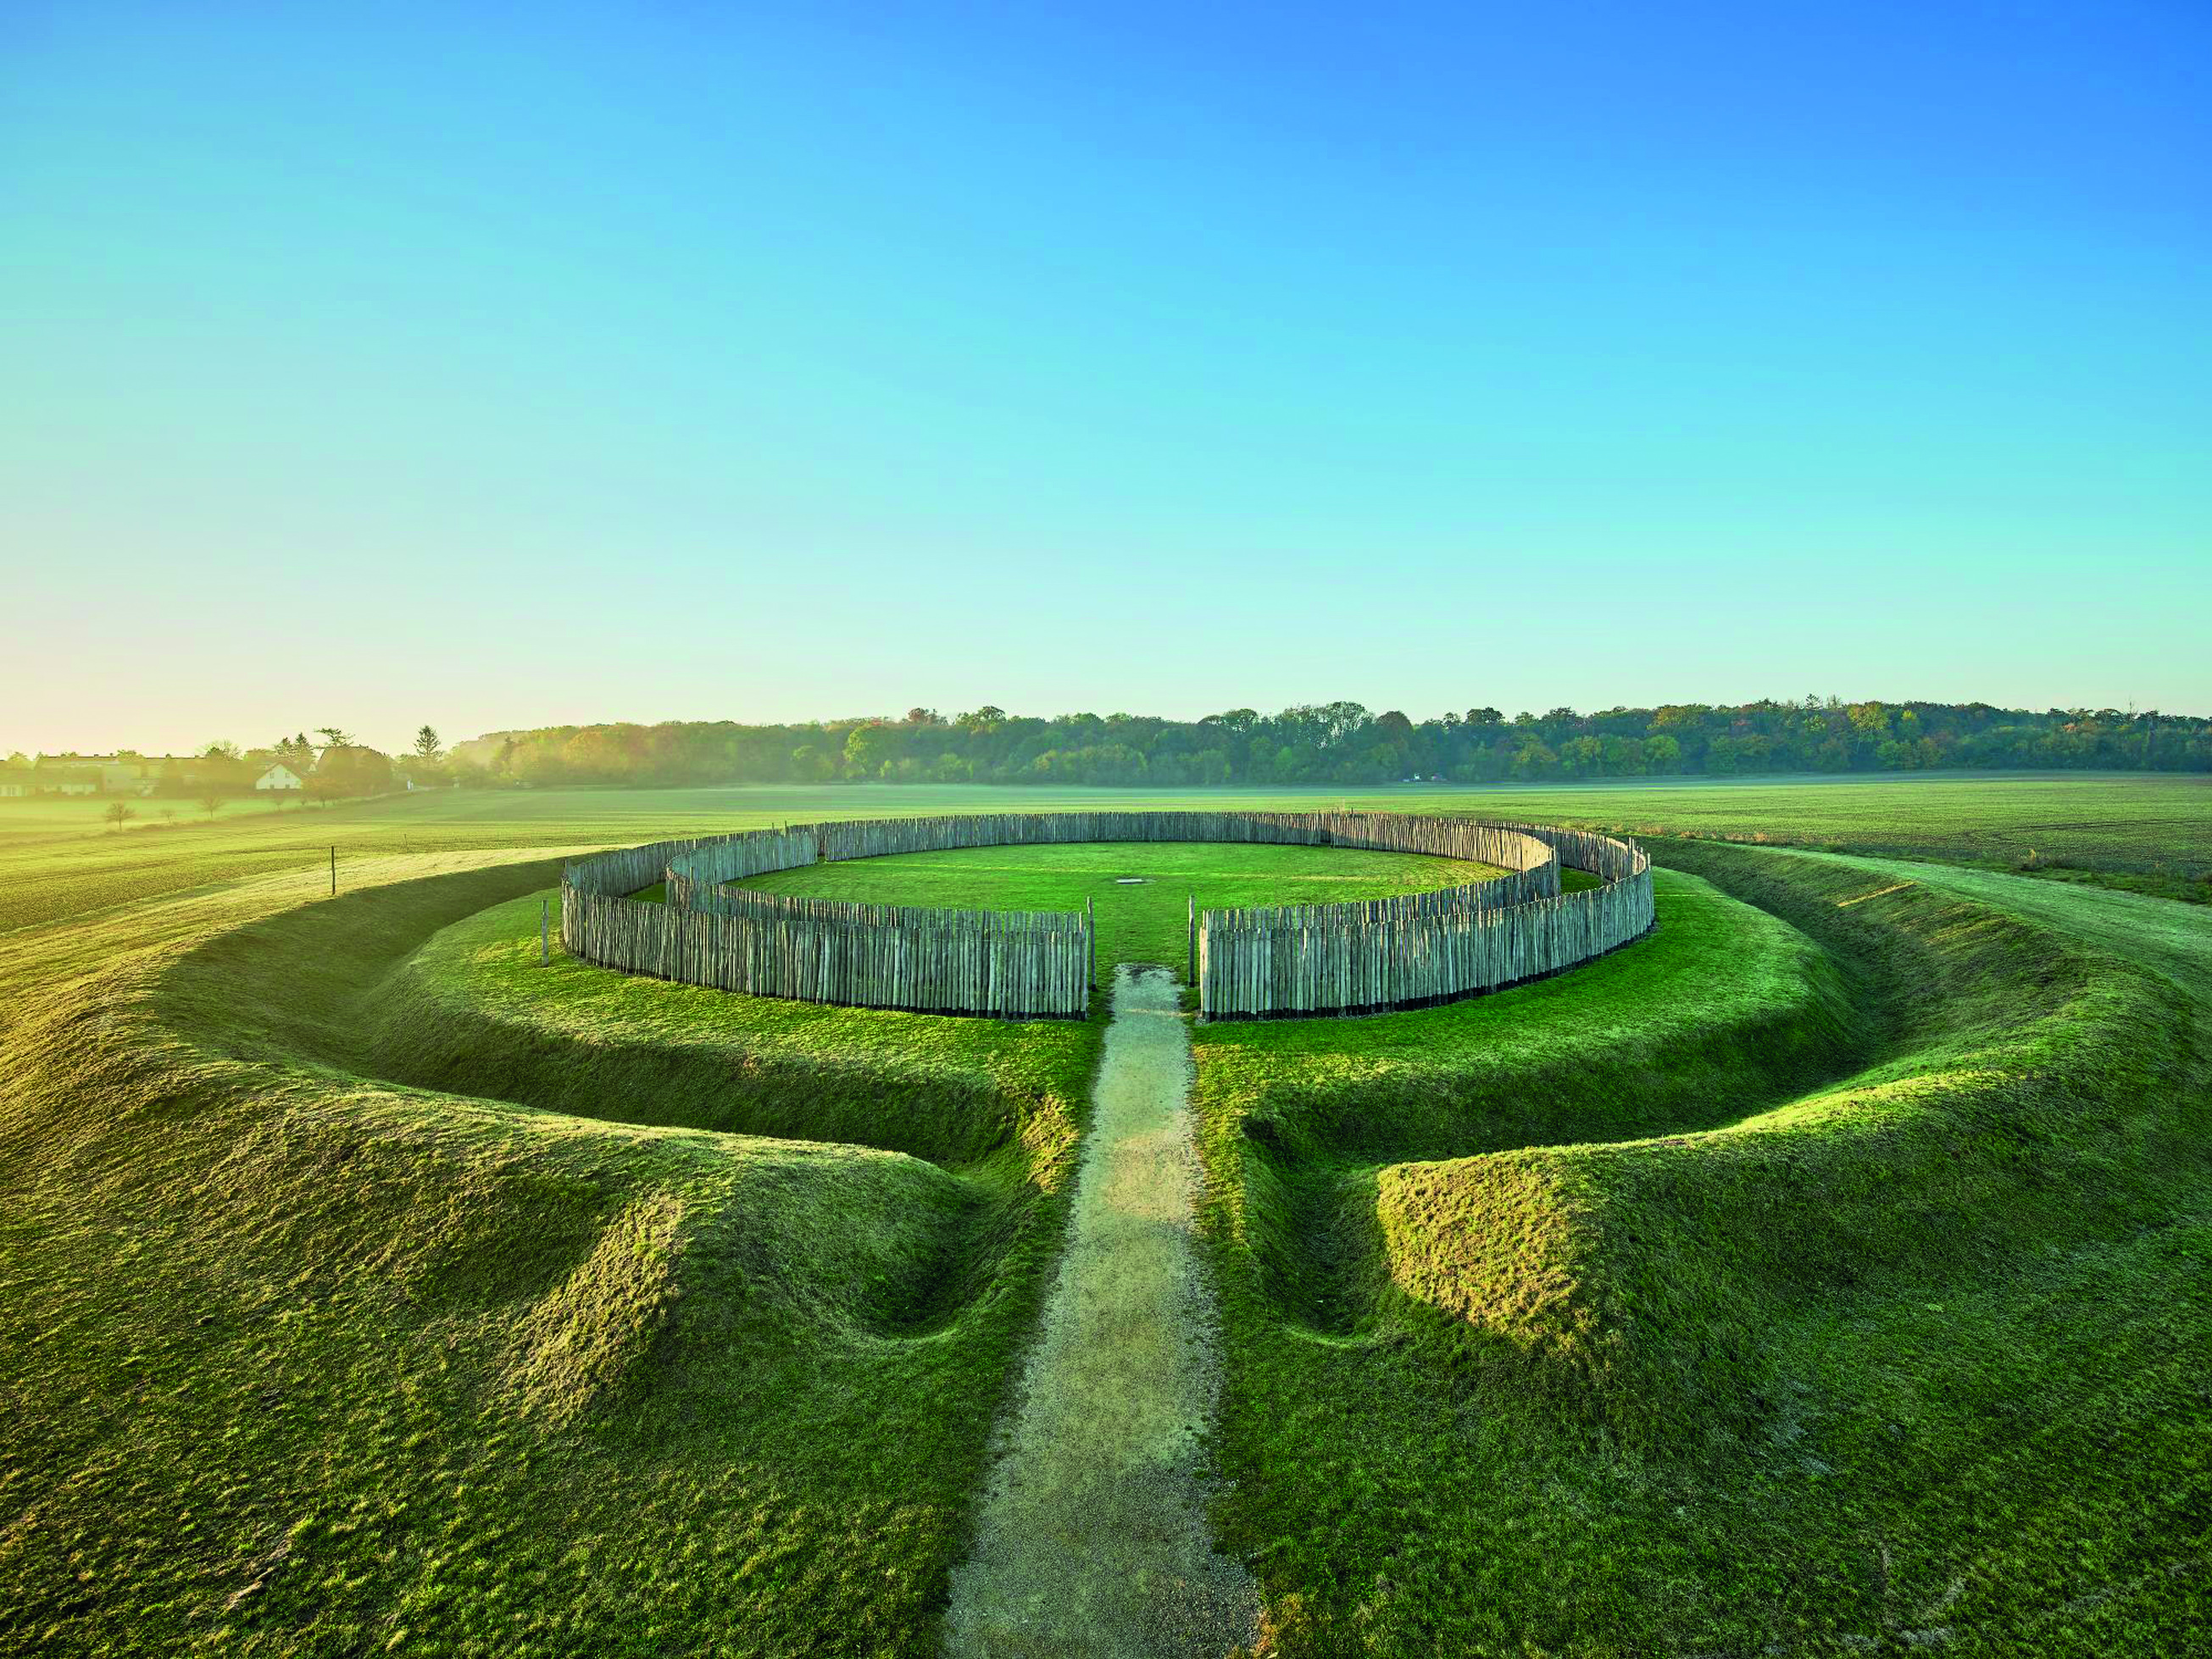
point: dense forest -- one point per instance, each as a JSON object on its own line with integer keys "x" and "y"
{"x": 1344, "y": 743}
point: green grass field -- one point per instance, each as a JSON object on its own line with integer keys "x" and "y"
{"x": 343, "y": 1311}
{"x": 2154, "y": 832}
{"x": 1140, "y": 892}
{"x": 1826, "y": 1272}
{"x": 1603, "y": 1316}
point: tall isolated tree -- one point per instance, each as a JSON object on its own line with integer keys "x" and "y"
{"x": 118, "y": 814}
{"x": 427, "y": 746}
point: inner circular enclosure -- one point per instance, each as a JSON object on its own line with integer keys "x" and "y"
{"x": 1141, "y": 891}
{"x": 1407, "y": 950}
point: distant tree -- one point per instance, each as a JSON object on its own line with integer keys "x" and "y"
{"x": 1535, "y": 759}
{"x": 923, "y": 717}
{"x": 335, "y": 737}
{"x": 351, "y": 770}
{"x": 220, "y": 750}
{"x": 866, "y": 750}
{"x": 211, "y": 802}
{"x": 169, "y": 815}
{"x": 119, "y": 814}
{"x": 428, "y": 748}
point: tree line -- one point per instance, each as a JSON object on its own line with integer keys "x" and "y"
{"x": 1343, "y": 742}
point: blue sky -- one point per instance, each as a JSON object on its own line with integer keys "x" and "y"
{"x": 500, "y": 365}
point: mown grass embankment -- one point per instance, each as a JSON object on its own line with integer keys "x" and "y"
{"x": 302, "y": 1360}
{"x": 296, "y": 1360}
{"x": 1907, "y": 1358}
{"x": 1715, "y": 1012}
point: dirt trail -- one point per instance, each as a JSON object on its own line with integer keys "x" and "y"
{"x": 1091, "y": 1538}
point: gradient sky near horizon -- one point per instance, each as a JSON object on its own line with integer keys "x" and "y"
{"x": 506, "y": 366}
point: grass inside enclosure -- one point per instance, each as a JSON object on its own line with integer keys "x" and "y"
{"x": 1143, "y": 920}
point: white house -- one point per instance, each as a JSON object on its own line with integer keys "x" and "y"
{"x": 279, "y": 776}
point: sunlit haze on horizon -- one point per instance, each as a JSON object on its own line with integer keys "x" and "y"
{"x": 500, "y": 368}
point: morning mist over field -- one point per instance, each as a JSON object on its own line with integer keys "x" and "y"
{"x": 953, "y": 831}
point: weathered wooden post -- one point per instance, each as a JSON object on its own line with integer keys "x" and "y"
{"x": 334, "y": 872}
{"x": 545, "y": 932}
{"x": 1190, "y": 937}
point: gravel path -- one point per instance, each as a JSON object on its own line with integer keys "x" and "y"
{"x": 1091, "y": 1538}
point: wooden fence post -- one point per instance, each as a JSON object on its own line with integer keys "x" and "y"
{"x": 334, "y": 872}
{"x": 545, "y": 932}
{"x": 1190, "y": 940}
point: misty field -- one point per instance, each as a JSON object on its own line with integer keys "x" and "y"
{"x": 2119, "y": 828}
{"x": 1824, "y": 1272}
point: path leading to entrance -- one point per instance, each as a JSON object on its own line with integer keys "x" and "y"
{"x": 1092, "y": 1537}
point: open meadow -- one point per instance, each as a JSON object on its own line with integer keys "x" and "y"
{"x": 1106, "y": 831}
{"x": 1825, "y": 1271}
{"x": 2120, "y": 829}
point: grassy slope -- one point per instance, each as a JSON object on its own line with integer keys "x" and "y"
{"x": 1908, "y": 1353}
{"x": 1711, "y": 1014}
{"x": 311, "y": 1360}
{"x": 300, "y": 1360}
{"x": 417, "y": 1400}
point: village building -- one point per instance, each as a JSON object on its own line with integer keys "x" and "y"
{"x": 113, "y": 774}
